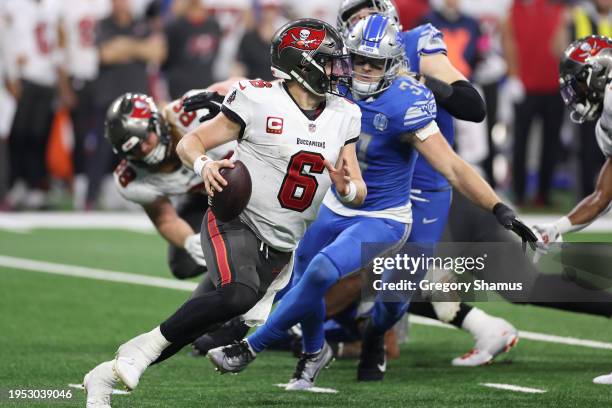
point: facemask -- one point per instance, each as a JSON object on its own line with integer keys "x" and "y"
{"x": 156, "y": 155}
{"x": 363, "y": 89}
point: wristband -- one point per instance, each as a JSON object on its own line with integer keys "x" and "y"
{"x": 200, "y": 163}
{"x": 564, "y": 225}
{"x": 350, "y": 196}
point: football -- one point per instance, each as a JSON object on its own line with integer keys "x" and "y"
{"x": 229, "y": 203}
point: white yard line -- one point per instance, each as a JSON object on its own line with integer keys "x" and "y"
{"x": 24, "y": 222}
{"x": 124, "y": 277}
{"x": 92, "y": 273}
{"x": 115, "y": 391}
{"x": 510, "y": 387}
{"x": 138, "y": 221}
{"x": 316, "y": 390}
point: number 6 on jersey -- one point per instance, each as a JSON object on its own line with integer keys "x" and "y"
{"x": 299, "y": 186}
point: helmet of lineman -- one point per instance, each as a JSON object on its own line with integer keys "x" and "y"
{"x": 375, "y": 40}
{"x": 129, "y": 121}
{"x": 584, "y": 71}
{"x": 312, "y": 53}
{"x": 348, "y": 14}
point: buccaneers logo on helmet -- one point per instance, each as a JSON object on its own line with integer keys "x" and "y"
{"x": 306, "y": 39}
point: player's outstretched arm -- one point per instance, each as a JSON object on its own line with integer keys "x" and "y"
{"x": 347, "y": 178}
{"x": 588, "y": 210}
{"x": 193, "y": 146}
{"x": 174, "y": 229}
{"x": 464, "y": 178}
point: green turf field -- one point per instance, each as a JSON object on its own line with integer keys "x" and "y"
{"x": 53, "y": 329}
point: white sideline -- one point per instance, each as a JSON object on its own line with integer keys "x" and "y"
{"x": 511, "y": 387}
{"x": 124, "y": 277}
{"x": 138, "y": 221}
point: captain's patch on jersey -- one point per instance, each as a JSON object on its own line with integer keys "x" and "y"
{"x": 274, "y": 125}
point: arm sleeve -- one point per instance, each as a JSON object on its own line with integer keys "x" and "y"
{"x": 460, "y": 99}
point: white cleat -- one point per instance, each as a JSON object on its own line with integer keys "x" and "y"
{"x": 603, "y": 379}
{"x": 98, "y": 384}
{"x": 133, "y": 358}
{"x": 498, "y": 337}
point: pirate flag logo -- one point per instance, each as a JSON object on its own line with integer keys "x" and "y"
{"x": 302, "y": 38}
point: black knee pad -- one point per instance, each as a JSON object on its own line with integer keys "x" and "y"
{"x": 238, "y": 298}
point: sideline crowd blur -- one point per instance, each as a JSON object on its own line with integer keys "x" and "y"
{"x": 63, "y": 61}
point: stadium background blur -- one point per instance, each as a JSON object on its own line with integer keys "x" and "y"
{"x": 62, "y": 62}
{"x": 54, "y": 158}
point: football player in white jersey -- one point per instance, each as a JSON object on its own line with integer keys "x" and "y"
{"x": 289, "y": 132}
{"x": 151, "y": 173}
{"x": 585, "y": 78}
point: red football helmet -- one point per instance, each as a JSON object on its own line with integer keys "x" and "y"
{"x": 585, "y": 70}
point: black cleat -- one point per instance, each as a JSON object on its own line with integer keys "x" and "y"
{"x": 232, "y": 331}
{"x": 373, "y": 359}
{"x": 233, "y": 358}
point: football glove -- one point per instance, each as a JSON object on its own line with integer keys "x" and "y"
{"x": 508, "y": 219}
{"x": 204, "y": 100}
{"x": 549, "y": 233}
{"x": 194, "y": 248}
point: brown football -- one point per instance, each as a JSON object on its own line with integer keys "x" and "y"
{"x": 229, "y": 203}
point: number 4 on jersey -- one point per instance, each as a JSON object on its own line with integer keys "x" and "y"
{"x": 299, "y": 186}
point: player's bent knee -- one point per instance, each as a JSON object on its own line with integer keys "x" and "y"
{"x": 238, "y": 298}
{"x": 322, "y": 272}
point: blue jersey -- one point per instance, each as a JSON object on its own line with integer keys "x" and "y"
{"x": 427, "y": 40}
{"x": 387, "y": 162}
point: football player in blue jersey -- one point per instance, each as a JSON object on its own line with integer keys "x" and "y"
{"x": 431, "y": 192}
{"x": 398, "y": 115}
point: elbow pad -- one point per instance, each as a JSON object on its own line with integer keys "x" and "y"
{"x": 460, "y": 99}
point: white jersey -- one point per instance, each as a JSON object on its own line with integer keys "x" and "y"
{"x": 144, "y": 185}
{"x": 32, "y": 49}
{"x": 78, "y": 21}
{"x": 603, "y": 130}
{"x": 284, "y": 153}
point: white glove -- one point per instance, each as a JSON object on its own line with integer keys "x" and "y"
{"x": 194, "y": 248}
{"x": 514, "y": 89}
{"x": 549, "y": 233}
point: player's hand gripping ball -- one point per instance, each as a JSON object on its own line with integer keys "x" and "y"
{"x": 235, "y": 195}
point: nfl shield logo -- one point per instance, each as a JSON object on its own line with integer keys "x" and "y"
{"x": 380, "y": 122}
{"x": 312, "y": 127}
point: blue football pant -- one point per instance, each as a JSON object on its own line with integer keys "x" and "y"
{"x": 330, "y": 250}
{"x": 429, "y": 214}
